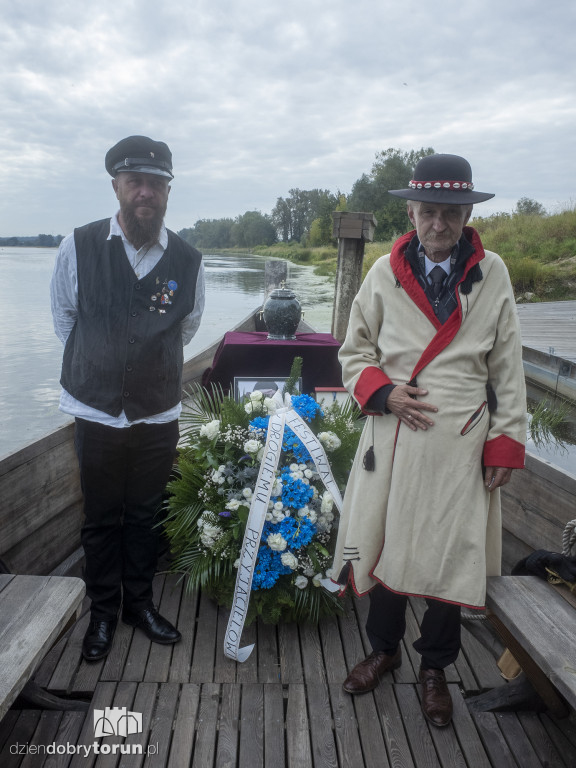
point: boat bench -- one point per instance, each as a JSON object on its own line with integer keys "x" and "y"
{"x": 34, "y": 612}
{"x": 537, "y": 623}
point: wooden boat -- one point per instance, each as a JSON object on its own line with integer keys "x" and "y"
{"x": 284, "y": 706}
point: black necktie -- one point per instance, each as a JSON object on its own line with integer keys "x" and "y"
{"x": 437, "y": 276}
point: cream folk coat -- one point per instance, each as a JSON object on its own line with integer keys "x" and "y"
{"x": 423, "y": 522}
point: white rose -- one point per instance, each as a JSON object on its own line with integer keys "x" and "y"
{"x": 251, "y": 446}
{"x": 289, "y": 560}
{"x": 210, "y": 430}
{"x": 256, "y": 396}
{"x": 301, "y": 582}
{"x": 276, "y": 542}
{"x": 270, "y": 406}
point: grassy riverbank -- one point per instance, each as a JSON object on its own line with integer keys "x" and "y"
{"x": 539, "y": 251}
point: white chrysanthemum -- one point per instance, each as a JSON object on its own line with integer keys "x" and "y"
{"x": 277, "y": 542}
{"x": 269, "y": 517}
{"x": 251, "y": 446}
{"x": 278, "y": 506}
{"x": 289, "y": 560}
{"x": 294, "y": 467}
{"x": 330, "y": 440}
{"x": 301, "y": 582}
{"x": 277, "y": 487}
{"x": 210, "y": 430}
{"x": 327, "y": 502}
{"x": 247, "y": 493}
{"x": 308, "y": 474}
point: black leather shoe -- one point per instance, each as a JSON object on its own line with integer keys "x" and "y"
{"x": 98, "y": 639}
{"x": 156, "y": 627}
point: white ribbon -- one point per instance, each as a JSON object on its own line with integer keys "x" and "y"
{"x": 285, "y": 415}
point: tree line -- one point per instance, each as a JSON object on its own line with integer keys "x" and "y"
{"x": 38, "y": 241}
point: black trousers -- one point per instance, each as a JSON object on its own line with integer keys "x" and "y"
{"x": 439, "y": 643}
{"x": 123, "y": 474}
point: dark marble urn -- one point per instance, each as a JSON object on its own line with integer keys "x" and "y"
{"x": 282, "y": 313}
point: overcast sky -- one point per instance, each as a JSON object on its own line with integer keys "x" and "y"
{"x": 255, "y": 97}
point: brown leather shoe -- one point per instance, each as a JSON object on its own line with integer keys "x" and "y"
{"x": 367, "y": 674}
{"x": 436, "y": 699}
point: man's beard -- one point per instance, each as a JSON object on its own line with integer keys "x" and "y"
{"x": 141, "y": 231}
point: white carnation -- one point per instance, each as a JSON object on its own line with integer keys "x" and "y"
{"x": 233, "y": 505}
{"x": 276, "y": 542}
{"x": 251, "y": 446}
{"x": 289, "y": 560}
{"x": 210, "y": 430}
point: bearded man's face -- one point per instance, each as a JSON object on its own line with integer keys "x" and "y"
{"x": 143, "y": 199}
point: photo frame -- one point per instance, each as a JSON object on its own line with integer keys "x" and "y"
{"x": 244, "y": 385}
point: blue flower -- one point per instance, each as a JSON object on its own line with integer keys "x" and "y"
{"x": 268, "y": 569}
{"x": 292, "y": 444}
{"x": 306, "y": 406}
{"x": 298, "y": 532}
{"x": 259, "y": 422}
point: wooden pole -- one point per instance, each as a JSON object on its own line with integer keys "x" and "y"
{"x": 353, "y": 230}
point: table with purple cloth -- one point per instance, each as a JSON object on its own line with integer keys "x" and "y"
{"x": 254, "y": 355}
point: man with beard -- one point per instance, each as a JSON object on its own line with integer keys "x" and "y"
{"x": 127, "y": 295}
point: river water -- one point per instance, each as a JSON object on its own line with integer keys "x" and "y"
{"x": 31, "y": 354}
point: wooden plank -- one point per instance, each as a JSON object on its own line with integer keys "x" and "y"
{"x": 44, "y": 735}
{"x": 22, "y": 734}
{"x": 182, "y": 654}
{"x": 274, "y": 745}
{"x": 185, "y": 726}
{"x": 370, "y": 732}
{"x": 161, "y": 727}
{"x": 312, "y": 660}
{"x": 290, "y": 656}
{"x": 540, "y": 739}
{"x": 227, "y": 754}
{"x": 468, "y": 737}
{"x": 522, "y": 749}
{"x": 417, "y": 731}
{"x": 160, "y": 656}
{"x": 123, "y": 697}
{"x": 332, "y": 651}
{"x": 397, "y": 745}
{"x": 114, "y": 663}
{"x": 495, "y": 744}
{"x": 268, "y": 654}
{"x": 541, "y": 621}
{"x": 251, "y": 747}
{"x": 204, "y": 647}
{"x": 556, "y": 729}
{"x": 481, "y": 662}
{"x": 206, "y": 732}
{"x": 297, "y": 732}
{"x": 145, "y": 704}
{"x": 103, "y": 696}
{"x": 324, "y": 751}
{"x": 37, "y": 609}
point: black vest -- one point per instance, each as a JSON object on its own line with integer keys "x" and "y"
{"x": 125, "y": 350}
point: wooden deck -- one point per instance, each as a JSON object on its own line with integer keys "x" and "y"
{"x": 283, "y": 707}
{"x": 550, "y": 327}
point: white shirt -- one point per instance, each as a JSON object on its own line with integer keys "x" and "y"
{"x": 64, "y": 302}
{"x": 446, "y": 266}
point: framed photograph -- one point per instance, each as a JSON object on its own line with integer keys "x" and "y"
{"x": 327, "y": 396}
{"x": 268, "y": 385}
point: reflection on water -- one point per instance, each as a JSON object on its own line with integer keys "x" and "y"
{"x": 30, "y": 353}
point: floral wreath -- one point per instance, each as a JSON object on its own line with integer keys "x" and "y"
{"x": 209, "y": 502}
